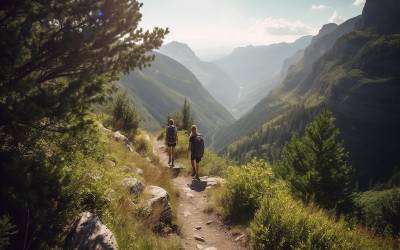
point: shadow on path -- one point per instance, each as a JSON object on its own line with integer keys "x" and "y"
{"x": 198, "y": 185}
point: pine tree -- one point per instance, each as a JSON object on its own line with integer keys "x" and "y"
{"x": 125, "y": 115}
{"x": 57, "y": 59}
{"x": 316, "y": 164}
{"x": 187, "y": 119}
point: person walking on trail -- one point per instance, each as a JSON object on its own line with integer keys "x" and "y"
{"x": 196, "y": 150}
{"x": 172, "y": 139}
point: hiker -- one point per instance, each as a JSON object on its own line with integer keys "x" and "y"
{"x": 196, "y": 149}
{"x": 172, "y": 139}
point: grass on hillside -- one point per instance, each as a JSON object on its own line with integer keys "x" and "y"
{"x": 211, "y": 164}
{"x": 117, "y": 207}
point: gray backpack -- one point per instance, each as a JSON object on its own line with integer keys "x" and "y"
{"x": 171, "y": 134}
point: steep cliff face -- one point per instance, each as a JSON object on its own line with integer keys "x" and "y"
{"x": 357, "y": 77}
{"x": 381, "y": 16}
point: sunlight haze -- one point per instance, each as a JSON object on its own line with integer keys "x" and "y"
{"x": 213, "y": 28}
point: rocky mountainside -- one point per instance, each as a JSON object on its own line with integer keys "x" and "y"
{"x": 357, "y": 79}
{"x": 161, "y": 89}
{"x": 257, "y": 68}
{"x": 262, "y": 111}
{"x": 223, "y": 88}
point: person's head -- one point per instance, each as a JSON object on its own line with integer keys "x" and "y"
{"x": 170, "y": 122}
{"x": 193, "y": 130}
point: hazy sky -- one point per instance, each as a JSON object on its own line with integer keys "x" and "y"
{"x": 212, "y": 27}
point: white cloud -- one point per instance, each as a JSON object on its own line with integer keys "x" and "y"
{"x": 319, "y": 7}
{"x": 358, "y": 2}
{"x": 336, "y": 18}
{"x": 282, "y": 27}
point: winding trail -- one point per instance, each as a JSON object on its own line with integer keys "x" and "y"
{"x": 192, "y": 214}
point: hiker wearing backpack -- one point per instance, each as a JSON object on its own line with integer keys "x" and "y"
{"x": 196, "y": 150}
{"x": 171, "y": 139}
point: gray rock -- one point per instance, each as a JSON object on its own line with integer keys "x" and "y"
{"x": 139, "y": 171}
{"x": 89, "y": 233}
{"x": 129, "y": 147}
{"x": 134, "y": 185}
{"x": 158, "y": 204}
{"x": 199, "y": 238}
{"x": 199, "y": 246}
{"x": 239, "y": 237}
{"x": 120, "y": 137}
{"x": 209, "y": 222}
{"x": 110, "y": 163}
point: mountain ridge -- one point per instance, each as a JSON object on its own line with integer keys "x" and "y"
{"x": 223, "y": 88}
{"x": 359, "y": 85}
{"x": 161, "y": 89}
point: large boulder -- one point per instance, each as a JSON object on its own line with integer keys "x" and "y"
{"x": 88, "y": 233}
{"x": 158, "y": 204}
{"x": 135, "y": 186}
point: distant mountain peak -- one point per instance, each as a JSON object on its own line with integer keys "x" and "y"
{"x": 327, "y": 28}
{"x": 180, "y": 51}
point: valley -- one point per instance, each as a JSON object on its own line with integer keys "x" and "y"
{"x": 116, "y": 133}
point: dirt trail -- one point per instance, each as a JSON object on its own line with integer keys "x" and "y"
{"x": 192, "y": 204}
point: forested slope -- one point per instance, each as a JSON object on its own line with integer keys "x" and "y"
{"x": 358, "y": 80}
{"x": 161, "y": 89}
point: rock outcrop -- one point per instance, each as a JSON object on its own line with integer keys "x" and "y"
{"x": 89, "y": 233}
{"x": 158, "y": 204}
{"x": 134, "y": 185}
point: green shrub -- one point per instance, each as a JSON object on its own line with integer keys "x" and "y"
{"x": 379, "y": 210}
{"x": 142, "y": 145}
{"x": 125, "y": 116}
{"x": 244, "y": 188}
{"x": 7, "y": 229}
{"x": 285, "y": 223}
{"x": 182, "y": 145}
{"x": 214, "y": 165}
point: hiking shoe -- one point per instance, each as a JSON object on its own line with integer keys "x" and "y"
{"x": 193, "y": 173}
{"x": 197, "y": 177}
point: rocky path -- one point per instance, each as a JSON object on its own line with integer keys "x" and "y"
{"x": 199, "y": 229}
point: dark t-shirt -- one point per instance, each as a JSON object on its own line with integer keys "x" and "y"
{"x": 191, "y": 139}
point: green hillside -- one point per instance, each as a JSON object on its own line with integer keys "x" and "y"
{"x": 222, "y": 87}
{"x": 162, "y": 88}
{"x": 357, "y": 79}
{"x": 271, "y": 106}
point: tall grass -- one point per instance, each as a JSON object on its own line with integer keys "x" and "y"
{"x": 120, "y": 210}
{"x": 278, "y": 220}
{"x": 211, "y": 164}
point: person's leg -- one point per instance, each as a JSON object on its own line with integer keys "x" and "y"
{"x": 169, "y": 154}
{"x": 197, "y": 168}
{"x": 193, "y": 162}
{"x": 173, "y": 154}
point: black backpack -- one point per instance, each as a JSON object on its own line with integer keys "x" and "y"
{"x": 198, "y": 146}
{"x": 171, "y": 134}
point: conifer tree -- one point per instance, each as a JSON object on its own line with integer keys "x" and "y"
{"x": 57, "y": 59}
{"x": 125, "y": 115}
{"x": 316, "y": 164}
{"x": 187, "y": 118}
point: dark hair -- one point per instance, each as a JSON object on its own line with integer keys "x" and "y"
{"x": 170, "y": 122}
